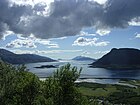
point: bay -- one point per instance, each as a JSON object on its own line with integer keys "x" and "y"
{"x": 98, "y": 75}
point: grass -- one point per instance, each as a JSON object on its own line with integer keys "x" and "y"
{"x": 97, "y": 92}
{"x": 131, "y": 82}
{"x": 115, "y": 94}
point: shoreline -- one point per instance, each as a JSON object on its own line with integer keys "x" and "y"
{"x": 119, "y": 67}
{"x": 119, "y": 81}
{"x": 102, "y": 78}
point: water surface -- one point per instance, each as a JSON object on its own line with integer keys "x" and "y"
{"x": 96, "y": 74}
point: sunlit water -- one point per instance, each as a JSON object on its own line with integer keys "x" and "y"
{"x": 98, "y": 75}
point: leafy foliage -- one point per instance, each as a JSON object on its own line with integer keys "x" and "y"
{"x": 20, "y": 87}
{"x": 17, "y": 85}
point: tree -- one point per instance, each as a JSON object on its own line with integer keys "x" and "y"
{"x": 61, "y": 87}
{"x": 17, "y": 85}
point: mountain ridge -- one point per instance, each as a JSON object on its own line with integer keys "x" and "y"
{"x": 123, "y": 58}
{"x": 83, "y": 58}
{"x": 10, "y": 57}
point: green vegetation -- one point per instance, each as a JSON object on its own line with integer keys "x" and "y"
{"x": 18, "y": 86}
{"x": 131, "y": 82}
{"x": 111, "y": 94}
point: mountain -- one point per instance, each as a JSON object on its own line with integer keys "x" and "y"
{"x": 13, "y": 58}
{"x": 123, "y": 58}
{"x": 83, "y": 58}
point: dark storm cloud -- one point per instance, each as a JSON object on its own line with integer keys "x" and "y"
{"x": 3, "y": 25}
{"x": 10, "y": 16}
{"x": 119, "y": 12}
{"x": 66, "y": 17}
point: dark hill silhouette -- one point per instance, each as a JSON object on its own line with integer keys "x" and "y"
{"x": 13, "y": 58}
{"x": 83, "y": 58}
{"x": 123, "y": 58}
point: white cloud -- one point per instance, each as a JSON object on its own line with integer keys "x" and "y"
{"x": 99, "y": 1}
{"x": 53, "y": 46}
{"x": 137, "y": 35}
{"x": 22, "y": 2}
{"x": 48, "y": 43}
{"x": 61, "y": 38}
{"x": 44, "y": 52}
{"x": 40, "y": 7}
{"x": 81, "y": 41}
{"x": 101, "y": 52}
{"x": 30, "y": 42}
{"x": 105, "y": 43}
{"x": 31, "y": 2}
{"x": 82, "y": 33}
{"x": 17, "y": 43}
{"x": 103, "y": 32}
{"x": 7, "y": 33}
{"x": 135, "y": 22}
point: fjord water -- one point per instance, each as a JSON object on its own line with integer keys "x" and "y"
{"x": 87, "y": 74}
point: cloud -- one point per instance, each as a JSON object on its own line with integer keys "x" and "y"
{"x": 103, "y": 43}
{"x": 81, "y": 41}
{"x": 31, "y": 42}
{"x": 53, "y": 46}
{"x": 135, "y": 22}
{"x": 21, "y": 43}
{"x": 101, "y": 52}
{"x": 103, "y": 32}
{"x": 44, "y": 52}
{"x": 7, "y": 33}
{"x": 66, "y": 17}
{"x": 100, "y": 1}
{"x": 82, "y": 33}
{"x": 137, "y": 35}
{"x": 48, "y": 43}
{"x": 61, "y": 38}
{"x": 31, "y": 2}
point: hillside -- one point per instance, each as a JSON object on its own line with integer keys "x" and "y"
{"x": 123, "y": 58}
{"x": 13, "y": 58}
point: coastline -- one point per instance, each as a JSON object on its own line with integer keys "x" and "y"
{"x": 106, "y": 81}
{"x": 116, "y": 67}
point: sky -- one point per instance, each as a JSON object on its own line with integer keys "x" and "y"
{"x": 68, "y": 28}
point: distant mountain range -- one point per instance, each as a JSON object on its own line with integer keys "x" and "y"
{"x": 123, "y": 58}
{"x": 83, "y": 58}
{"x": 13, "y": 58}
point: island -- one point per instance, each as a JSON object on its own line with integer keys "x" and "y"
{"x": 45, "y": 66}
{"x": 120, "y": 59}
{"x": 12, "y": 58}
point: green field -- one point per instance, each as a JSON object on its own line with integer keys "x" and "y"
{"x": 112, "y": 94}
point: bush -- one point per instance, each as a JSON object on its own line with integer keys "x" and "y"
{"x": 17, "y": 85}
